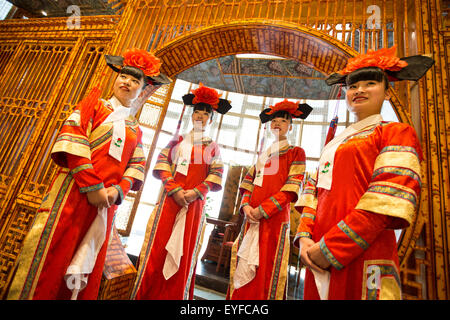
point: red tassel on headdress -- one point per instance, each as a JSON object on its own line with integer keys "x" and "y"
{"x": 331, "y": 130}
{"x": 333, "y": 124}
{"x": 87, "y": 106}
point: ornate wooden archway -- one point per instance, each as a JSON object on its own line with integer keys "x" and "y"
{"x": 306, "y": 45}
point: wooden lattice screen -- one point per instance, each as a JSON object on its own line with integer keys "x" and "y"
{"x": 45, "y": 70}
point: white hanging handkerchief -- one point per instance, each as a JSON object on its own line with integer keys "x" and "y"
{"x": 175, "y": 244}
{"x": 85, "y": 257}
{"x": 322, "y": 281}
{"x": 248, "y": 254}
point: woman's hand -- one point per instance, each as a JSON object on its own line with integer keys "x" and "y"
{"x": 190, "y": 195}
{"x": 256, "y": 213}
{"x": 305, "y": 245}
{"x": 179, "y": 198}
{"x": 98, "y": 198}
{"x": 248, "y": 211}
{"x": 113, "y": 194}
{"x": 317, "y": 257}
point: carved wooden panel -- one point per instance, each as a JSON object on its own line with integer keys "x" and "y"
{"x": 12, "y": 238}
{"x": 43, "y": 80}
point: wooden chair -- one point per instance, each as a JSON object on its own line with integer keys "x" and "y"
{"x": 231, "y": 233}
{"x": 230, "y": 200}
{"x": 215, "y": 240}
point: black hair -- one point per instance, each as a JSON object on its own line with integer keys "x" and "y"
{"x": 368, "y": 73}
{"x": 282, "y": 114}
{"x": 204, "y": 107}
{"x": 135, "y": 72}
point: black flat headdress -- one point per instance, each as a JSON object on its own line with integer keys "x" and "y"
{"x": 296, "y": 110}
{"x": 396, "y": 69}
{"x": 207, "y": 96}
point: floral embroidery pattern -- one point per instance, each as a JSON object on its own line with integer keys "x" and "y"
{"x": 326, "y": 167}
{"x": 118, "y": 142}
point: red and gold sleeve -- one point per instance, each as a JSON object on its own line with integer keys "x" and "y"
{"x": 395, "y": 185}
{"x": 72, "y": 149}
{"x": 84, "y": 173}
{"x": 73, "y": 137}
{"x": 245, "y": 200}
{"x": 247, "y": 182}
{"x": 390, "y": 201}
{"x": 308, "y": 196}
{"x": 213, "y": 181}
{"x": 163, "y": 169}
{"x": 306, "y": 225}
{"x": 246, "y": 188}
{"x": 352, "y": 236}
{"x": 306, "y": 204}
{"x": 296, "y": 173}
{"x": 276, "y": 203}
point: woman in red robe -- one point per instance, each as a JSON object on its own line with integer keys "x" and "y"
{"x": 368, "y": 185}
{"x": 260, "y": 254}
{"x": 99, "y": 163}
{"x": 189, "y": 167}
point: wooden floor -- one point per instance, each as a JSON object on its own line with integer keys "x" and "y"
{"x": 212, "y": 285}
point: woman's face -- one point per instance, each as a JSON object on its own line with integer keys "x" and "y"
{"x": 127, "y": 88}
{"x": 366, "y": 97}
{"x": 200, "y": 118}
{"x": 280, "y": 126}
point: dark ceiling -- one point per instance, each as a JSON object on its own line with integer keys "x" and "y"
{"x": 58, "y": 8}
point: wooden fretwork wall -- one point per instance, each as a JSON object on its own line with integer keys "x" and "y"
{"x": 45, "y": 69}
{"x": 321, "y": 34}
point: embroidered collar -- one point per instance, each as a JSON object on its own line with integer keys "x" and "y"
{"x": 366, "y": 122}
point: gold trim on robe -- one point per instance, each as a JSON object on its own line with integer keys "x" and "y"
{"x": 400, "y": 159}
{"x": 61, "y": 188}
{"x": 215, "y": 173}
{"x": 247, "y": 183}
{"x": 278, "y": 284}
{"x": 389, "y": 199}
